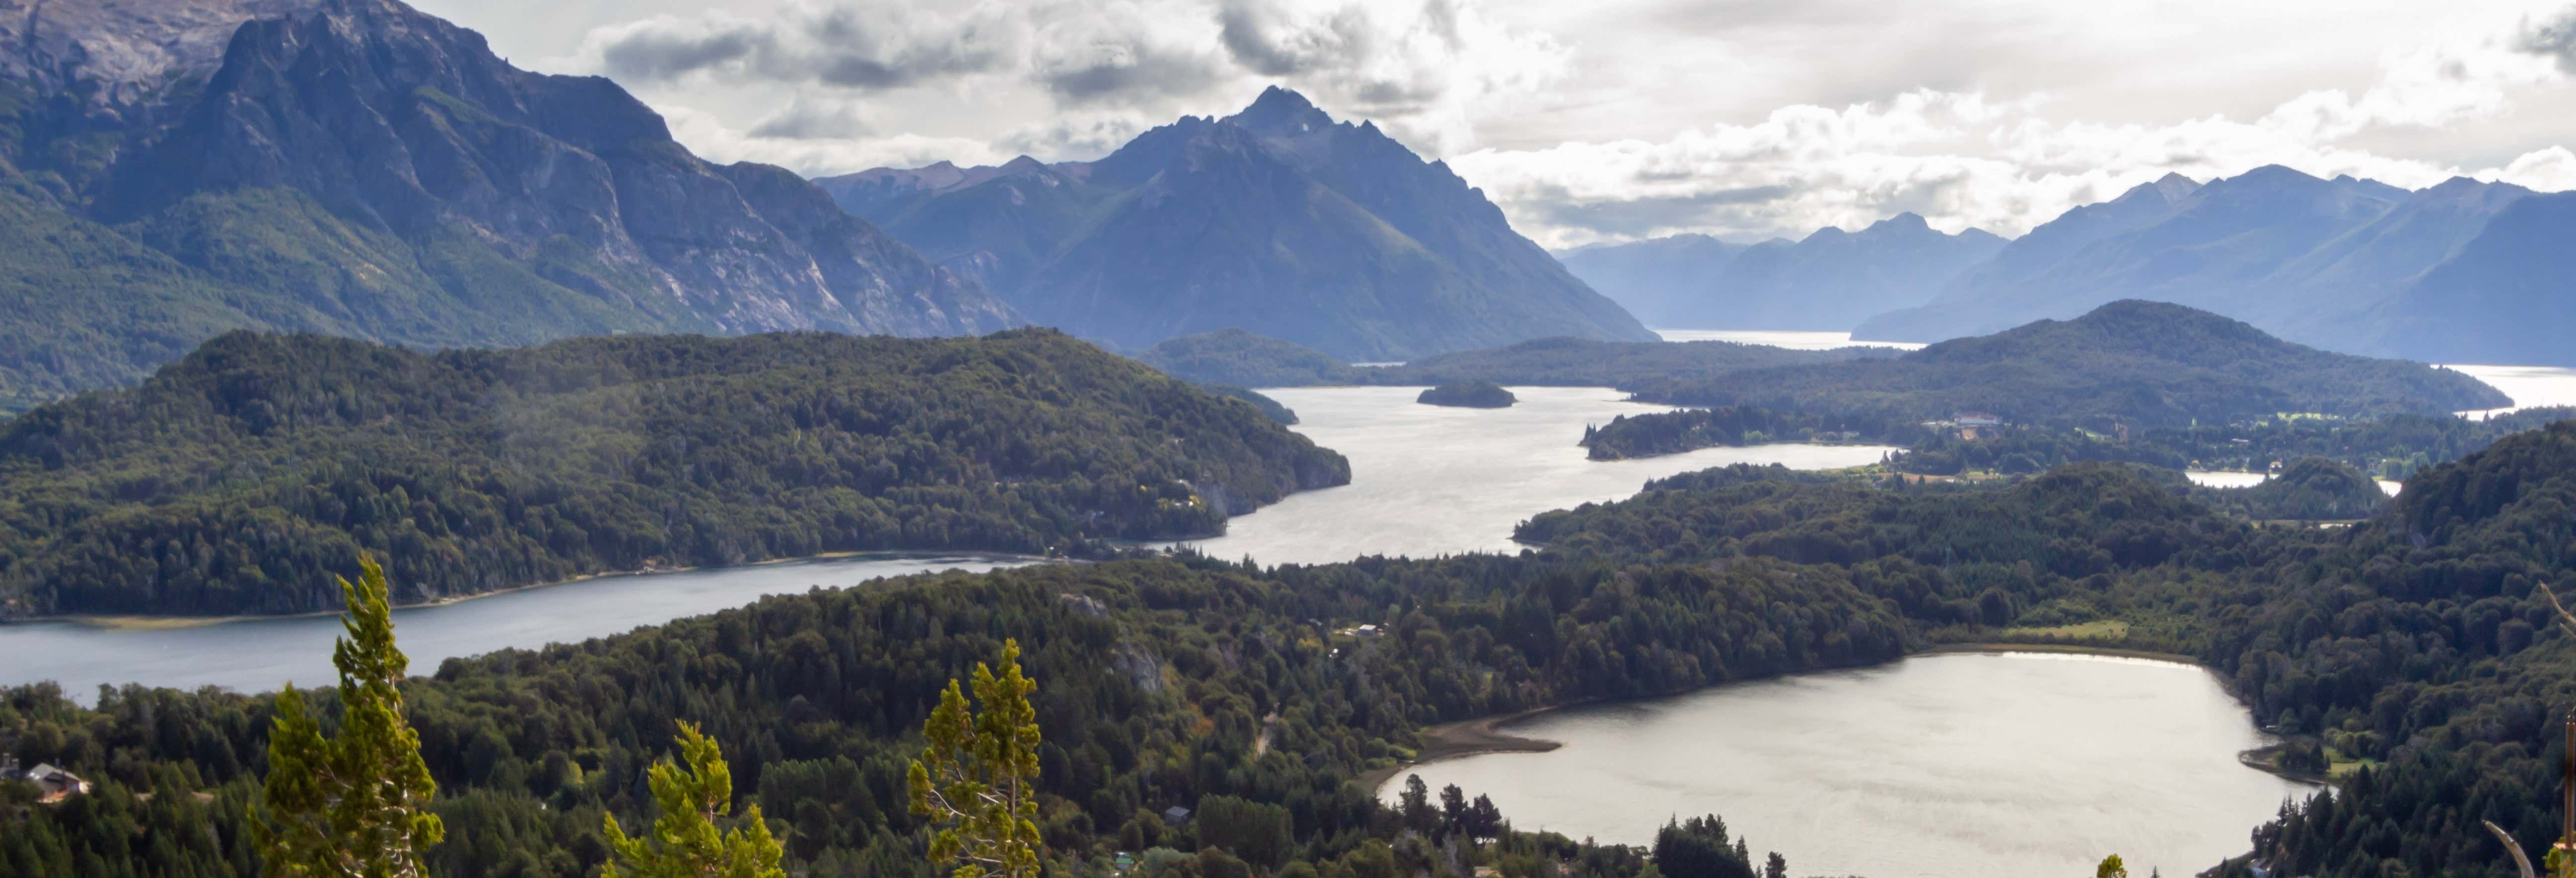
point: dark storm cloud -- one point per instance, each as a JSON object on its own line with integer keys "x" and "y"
{"x": 814, "y": 120}
{"x": 841, "y": 46}
{"x": 1646, "y": 215}
{"x": 2554, "y": 38}
{"x": 1124, "y": 72}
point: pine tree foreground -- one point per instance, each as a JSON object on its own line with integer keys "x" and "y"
{"x": 686, "y": 842}
{"x": 354, "y": 805}
{"x": 979, "y": 775}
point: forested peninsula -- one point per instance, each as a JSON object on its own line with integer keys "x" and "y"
{"x": 2410, "y": 655}
{"x": 242, "y": 478}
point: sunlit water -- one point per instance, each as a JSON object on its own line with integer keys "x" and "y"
{"x": 1431, "y": 480}
{"x": 255, "y": 655}
{"x": 1805, "y": 341}
{"x": 1956, "y": 766}
{"x": 2530, "y": 386}
{"x": 2233, "y": 479}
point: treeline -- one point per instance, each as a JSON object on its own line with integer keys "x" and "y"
{"x": 2414, "y": 653}
{"x": 1161, "y": 683}
{"x": 2144, "y": 364}
{"x": 241, "y": 479}
{"x": 2391, "y": 447}
{"x": 1674, "y": 432}
{"x": 1233, "y": 356}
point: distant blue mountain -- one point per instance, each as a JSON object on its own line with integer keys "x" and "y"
{"x": 2509, "y": 296}
{"x": 1277, "y": 220}
{"x": 1827, "y": 280}
{"x": 2330, "y": 263}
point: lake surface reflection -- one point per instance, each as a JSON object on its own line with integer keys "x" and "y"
{"x": 256, "y": 655}
{"x": 2015, "y": 765}
{"x": 1431, "y": 480}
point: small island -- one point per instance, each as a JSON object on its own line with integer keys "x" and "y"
{"x": 1469, "y": 394}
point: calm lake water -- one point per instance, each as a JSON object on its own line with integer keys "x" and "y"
{"x": 256, "y": 655}
{"x": 1805, "y": 341}
{"x": 1431, "y": 480}
{"x": 2233, "y": 479}
{"x": 2530, "y": 386}
{"x": 2018, "y": 765}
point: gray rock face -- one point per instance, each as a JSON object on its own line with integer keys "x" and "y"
{"x": 405, "y": 184}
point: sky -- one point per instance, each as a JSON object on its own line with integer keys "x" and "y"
{"x": 1615, "y": 120}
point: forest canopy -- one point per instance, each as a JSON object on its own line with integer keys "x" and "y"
{"x": 244, "y": 477}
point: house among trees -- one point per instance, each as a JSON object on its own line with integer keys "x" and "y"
{"x": 54, "y": 784}
{"x": 1176, "y": 815}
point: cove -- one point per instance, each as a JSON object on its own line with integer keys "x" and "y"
{"x": 1432, "y": 480}
{"x": 2009, "y": 765}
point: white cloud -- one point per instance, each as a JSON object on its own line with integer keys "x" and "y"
{"x": 1963, "y": 160}
{"x": 1623, "y": 118}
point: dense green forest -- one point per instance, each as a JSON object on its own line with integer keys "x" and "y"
{"x": 1674, "y": 432}
{"x": 2412, "y": 653}
{"x": 1468, "y": 394}
{"x": 2144, "y": 364}
{"x": 1161, "y": 683}
{"x": 242, "y": 478}
{"x": 2392, "y": 447}
{"x": 2416, "y": 640}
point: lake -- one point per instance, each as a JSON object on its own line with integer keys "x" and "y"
{"x": 2013, "y": 765}
{"x": 2234, "y": 479}
{"x": 1425, "y": 480}
{"x": 2530, "y": 386}
{"x": 256, "y": 655}
{"x": 1431, "y": 480}
{"x": 1798, "y": 340}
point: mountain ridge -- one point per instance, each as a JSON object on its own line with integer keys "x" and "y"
{"x": 1276, "y": 219}
{"x": 359, "y": 168}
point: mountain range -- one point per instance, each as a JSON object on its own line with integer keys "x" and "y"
{"x": 174, "y": 169}
{"x": 1825, "y": 281}
{"x": 2465, "y": 271}
{"x": 1277, "y": 220}
{"x": 2130, "y": 362}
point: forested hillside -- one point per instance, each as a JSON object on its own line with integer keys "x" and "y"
{"x": 240, "y": 479}
{"x": 2417, "y": 640}
{"x": 2145, "y": 364}
{"x": 2413, "y": 654}
{"x": 1160, "y": 684}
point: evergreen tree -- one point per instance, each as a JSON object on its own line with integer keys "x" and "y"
{"x": 686, "y": 842}
{"x": 979, "y": 774}
{"x": 1415, "y": 806}
{"x": 355, "y": 805}
{"x": 2111, "y": 868}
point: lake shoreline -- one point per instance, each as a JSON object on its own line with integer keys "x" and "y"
{"x": 1479, "y": 737}
{"x": 167, "y": 623}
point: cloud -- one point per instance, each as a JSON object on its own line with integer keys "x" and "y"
{"x": 1962, "y": 159}
{"x": 811, "y": 118}
{"x": 852, "y": 46}
{"x": 2554, "y": 38}
{"x": 1650, "y": 214}
{"x": 710, "y": 138}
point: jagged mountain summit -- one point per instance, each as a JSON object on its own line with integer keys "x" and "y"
{"x": 171, "y": 170}
{"x": 1825, "y": 281}
{"x": 1278, "y": 220}
{"x": 2337, "y": 263}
